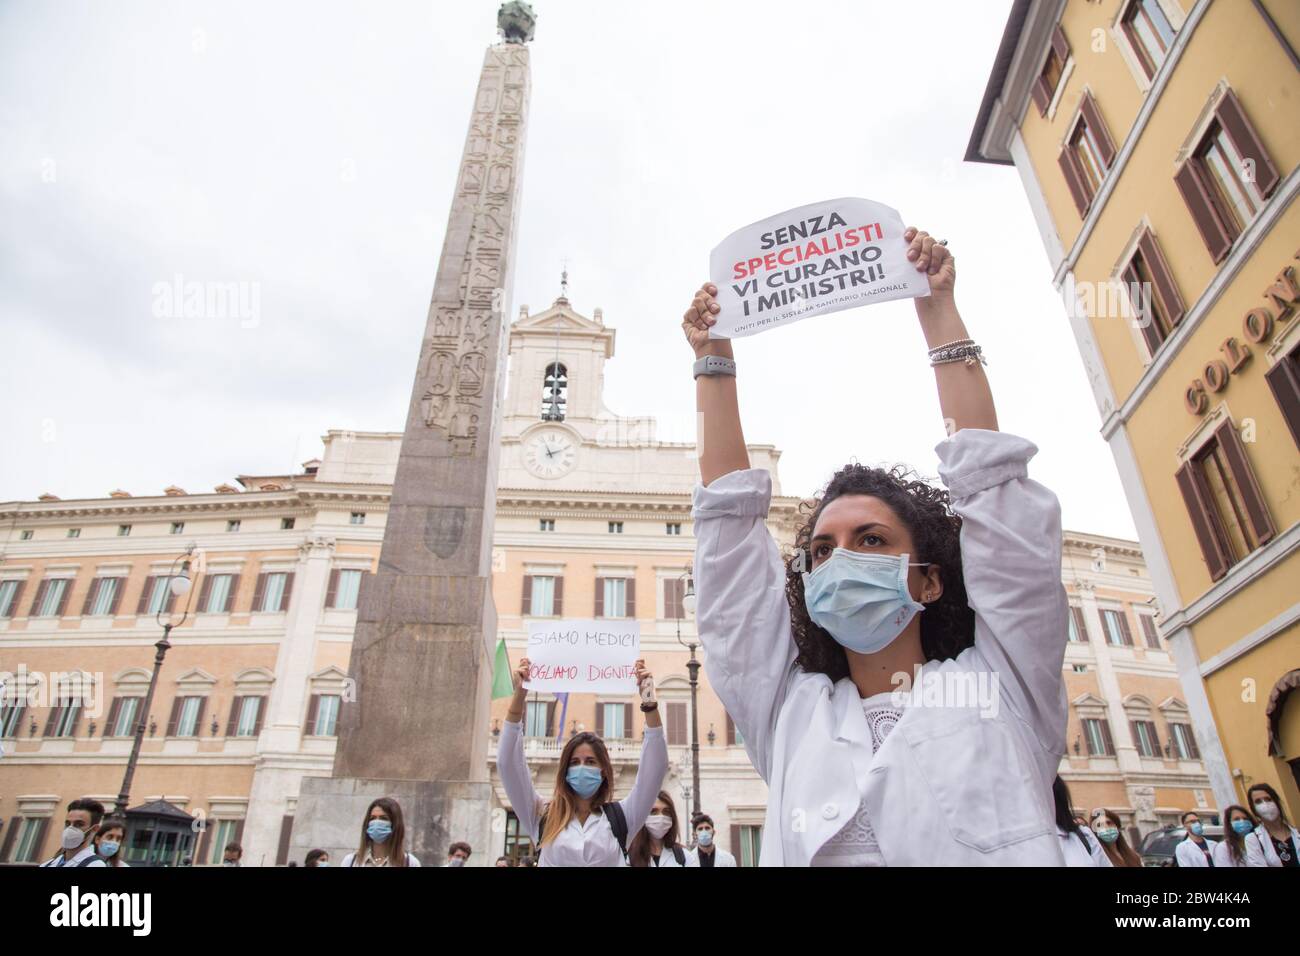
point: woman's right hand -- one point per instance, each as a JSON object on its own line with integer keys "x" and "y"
{"x": 700, "y": 315}
{"x": 520, "y": 674}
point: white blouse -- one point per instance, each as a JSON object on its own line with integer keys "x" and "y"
{"x": 589, "y": 843}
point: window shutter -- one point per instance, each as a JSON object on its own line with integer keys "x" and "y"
{"x": 286, "y": 831}
{"x": 526, "y": 604}
{"x": 1151, "y": 331}
{"x": 15, "y": 824}
{"x": 600, "y": 597}
{"x": 231, "y": 592}
{"x": 110, "y": 722}
{"x": 627, "y": 721}
{"x": 1100, "y": 135}
{"x": 142, "y": 606}
{"x": 731, "y": 732}
{"x": 170, "y": 601}
{"x": 13, "y": 608}
{"x": 672, "y": 604}
{"x": 235, "y": 706}
{"x": 1060, "y": 45}
{"x": 310, "y": 726}
{"x": 1204, "y": 523}
{"x": 259, "y": 592}
{"x": 1253, "y": 498}
{"x": 1137, "y": 737}
{"x": 118, "y": 588}
{"x": 261, "y": 712}
{"x": 50, "y": 720}
{"x": 1125, "y": 633}
{"x": 1239, "y": 129}
{"x": 1284, "y": 381}
{"x": 558, "y": 607}
{"x": 1042, "y": 94}
{"x": 202, "y": 855}
{"x": 198, "y": 717}
{"x": 1214, "y": 233}
{"x": 332, "y": 591}
{"x": 204, "y": 592}
{"x": 631, "y": 597}
{"x": 600, "y": 719}
{"x": 288, "y": 591}
{"x": 38, "y": 844}
{"x": 1191, "y": 742}
{"x": 735, "y": 844}
{"x": 550, "y": 718}
{"x": 1107, "y": 741}
{"x": 174, "y": 718}
{"x": 239, "y": 832}
{"x": 676, "y": 713}
{"x": 38, "y": 598}
{"x": 1162, "y": 279}
{"x": 1074, "y": 179}
{"x": 1079, "y": 625}
{"x": 90, "y": 596}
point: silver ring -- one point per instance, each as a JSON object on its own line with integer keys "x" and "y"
{"x": 943, "y": 242}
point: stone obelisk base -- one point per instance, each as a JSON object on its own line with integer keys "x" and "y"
{"x": 331, "y": 811}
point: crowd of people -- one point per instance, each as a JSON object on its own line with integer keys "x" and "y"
{"x": 889, "y": 575}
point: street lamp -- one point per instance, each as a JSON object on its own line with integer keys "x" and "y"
{"x": 693, "y": 668}
{"x": 179, "y": 585}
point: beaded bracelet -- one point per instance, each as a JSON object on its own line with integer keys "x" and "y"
{"x": 955, "y": 353}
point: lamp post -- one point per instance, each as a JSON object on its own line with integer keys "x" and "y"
{"x": 693, "y": 668}
{"x": 180, "y": 585}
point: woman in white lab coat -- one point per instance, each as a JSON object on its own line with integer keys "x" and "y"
{"x": 1079, "y": 846}
{"x": 1237, "y": 825}
{"x": 657, "y": 846}
{"x": 1275, "y": 841}
{"x": 582, "y": 824}
{"x": 896, "y": 584}
{"x": 1106, "y": 828}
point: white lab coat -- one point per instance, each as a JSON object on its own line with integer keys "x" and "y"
{"x": 77, "y": 860}
{"x": 1187, "y": 853}
{"x": 351, "y": 857}
{"x": 1074, "y": 853}
{"x": 581, "y": 844}
{"x": 669, "y": 862}
{"x": 1260, "y": 850}
{"x": 721, "y": 858}
{"x": 947, "y": 787}
{"x": 1222, "y": 854}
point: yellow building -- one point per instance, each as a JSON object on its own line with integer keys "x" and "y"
{"x": 593, "y": 520}
{"x": 1158, "y": 147}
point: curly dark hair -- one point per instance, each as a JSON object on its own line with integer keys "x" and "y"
{"x": 947, "y": 625}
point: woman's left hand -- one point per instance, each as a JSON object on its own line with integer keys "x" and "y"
{"x": 933, "y": 259}
{"x": 642, "y": 674}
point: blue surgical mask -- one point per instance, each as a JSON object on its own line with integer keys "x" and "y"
{"x": 1241, "y": 827}
{"x": 1195, "y": 829}
{"x": 584, "y": 781}
{"x": 1107, "y": 834}
{"x": 704, "y": 838}
{"x": 379, "y": 830}
{"x": 861, "y": 600}
{"x": 107, "y": 848}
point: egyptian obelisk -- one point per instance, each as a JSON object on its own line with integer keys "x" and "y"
{"x": 422, "y": 650}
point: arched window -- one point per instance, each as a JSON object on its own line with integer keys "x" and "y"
{"x": 555, "y": 387}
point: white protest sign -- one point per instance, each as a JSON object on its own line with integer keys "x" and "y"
{"x": 816, "y": 259}
{"x": 590, "y": 657}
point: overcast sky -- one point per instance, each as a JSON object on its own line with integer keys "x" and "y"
{"x": 310, "y": 149}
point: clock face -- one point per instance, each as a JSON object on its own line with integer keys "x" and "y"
{"x": 550, "y": 454}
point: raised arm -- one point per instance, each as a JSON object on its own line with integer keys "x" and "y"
{"x": 515, "y": 778}
{"x": 652, "y": 769}
{"x": 964, "y": 394}
{"x": 721, "y": 439}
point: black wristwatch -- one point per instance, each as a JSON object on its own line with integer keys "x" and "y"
{"x": 646, "y": 708}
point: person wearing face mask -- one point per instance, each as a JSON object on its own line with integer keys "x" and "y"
{"x": 317, "y": 858}
{"x": 457, "y": 854}
{"x": 1079, "y": 846}
{"x": 383, "y": 837}
{"x": 1195, "y": 850}
{"x": 656, "y": 845}
{"x": 706, "y": 853}
{"x": 582, "y": 824}
{"x": 108, "y": 841}
{"x": 1275, "y": 841}
{"x": 78, "y": 840}
{"x": 1237, "y": 825}
{"x": 894, "y": 582}
{"x": 1105, "y": 827}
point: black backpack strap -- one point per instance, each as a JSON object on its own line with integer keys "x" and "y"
{"x": 679, "y": 855}
{"x": 88, "y": 860}
{"x": 618, "y": 823}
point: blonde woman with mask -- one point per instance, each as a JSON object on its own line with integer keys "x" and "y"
{"x": 582, "y": 824}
